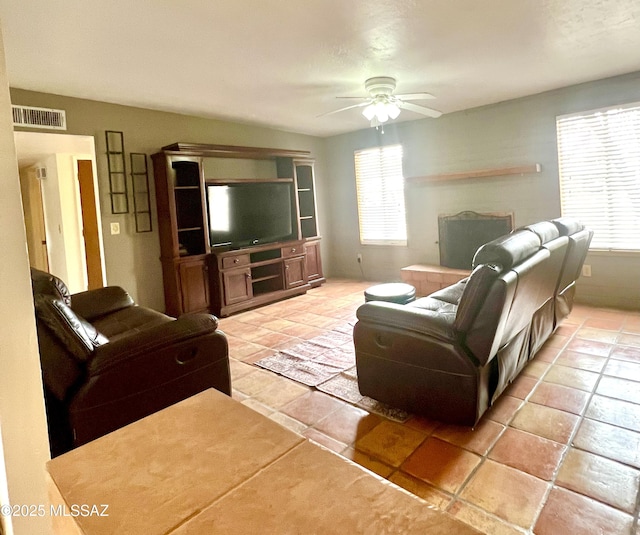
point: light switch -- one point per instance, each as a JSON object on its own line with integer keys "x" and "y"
{"x": 115, "y": 228}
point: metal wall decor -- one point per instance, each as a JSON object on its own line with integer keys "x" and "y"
{"x": 117, "y": 172}
{"x": 140, "y": 187}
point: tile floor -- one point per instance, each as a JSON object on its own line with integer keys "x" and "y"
{"x": 558, "y": 453}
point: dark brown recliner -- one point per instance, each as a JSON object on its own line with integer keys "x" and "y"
{"x": 107, "y": 362}
{"x": 449, "y": 356}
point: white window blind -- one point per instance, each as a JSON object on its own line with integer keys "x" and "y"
{"x": 380, "y": 188}
{"x": 599, "y": 164}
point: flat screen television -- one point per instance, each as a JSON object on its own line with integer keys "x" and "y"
{"x": 252, "y": 213}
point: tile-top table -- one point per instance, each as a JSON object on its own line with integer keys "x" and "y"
{"x": 211, "y": 465}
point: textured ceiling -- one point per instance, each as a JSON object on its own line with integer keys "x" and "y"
{"x": 281, "y": 63}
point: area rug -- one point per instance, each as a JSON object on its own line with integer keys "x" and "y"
{"x": 328, "y": 363}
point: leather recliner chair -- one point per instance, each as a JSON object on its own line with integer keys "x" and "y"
{"x": 450, "y": 355}
{"x": 107, "y": 362}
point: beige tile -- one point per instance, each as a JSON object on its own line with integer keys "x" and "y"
{"x": 609, "y": 441}
{"x": 503, "y": 410}
{"x": 546, "y": 422}
{"x": 566, "y": 512}
{"x": 312, "y": 407}
{"x": 280, "y": 392}
{"x": 529, "y": 453}
{"x": 441, "y": 464}
{"x": 601, "y": 335}
{"x": 477, "y": 440}
{"x": 133, "y": 473}
{"x": 324, "y": 440}
{"x": 600, "y": 478}
{"x": 390, "y": 442}
{"x": 560, "y": 397}
{"x": 536, "y": 368}
{"x": 428, "y": 493}
{"x": 506, "y": 492}
{"x": 615, "y": 412}
{"x": 347, "y": 423}
{"x": 368, "y": 462}
{"x": 288, "y": 422}
{"x": 327, "y": 488}
{"x": 615, "y": 387}
{"x": 571, "y": 377}
{"x": 481, "y": 520}
{"x": 254, "y": 382}
{"x": 257, "y": 406}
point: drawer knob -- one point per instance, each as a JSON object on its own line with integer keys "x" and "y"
{"x": 235, "y": 260}
{"x": 293, "y": 249}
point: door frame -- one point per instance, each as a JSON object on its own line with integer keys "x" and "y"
{"x": 34, "y": 147}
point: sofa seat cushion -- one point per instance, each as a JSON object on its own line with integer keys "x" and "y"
{"x": 129, "y": 320}
{"x": 451, "y": 294}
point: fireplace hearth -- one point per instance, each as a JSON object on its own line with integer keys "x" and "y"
{"x": 461, "y": 234}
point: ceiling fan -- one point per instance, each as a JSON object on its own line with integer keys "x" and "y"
{"x": 382, "y": 105}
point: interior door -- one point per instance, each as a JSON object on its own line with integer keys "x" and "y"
{"x": 90, "y": 224}
{"x": 33, "y": 210}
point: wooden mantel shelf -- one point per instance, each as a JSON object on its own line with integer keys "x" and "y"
{"x": 485, "y": 173}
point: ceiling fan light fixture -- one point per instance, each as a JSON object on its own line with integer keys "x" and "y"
{"x": 381, "y": 112}
{"x": 369, "y": 112}
{"x": 393, "y": 110}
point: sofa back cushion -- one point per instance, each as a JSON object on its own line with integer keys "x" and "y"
{"x": 509, "y": 250}
{"x": 77, "y": 335}
{"x": 476, "y": 288}
{"x": 506, "y": 306}
{"x": 47, "y": 284}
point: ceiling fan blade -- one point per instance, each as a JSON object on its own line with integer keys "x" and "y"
{"x": 344, "y": 109}
{"x": 415, "y": 96}
{"x": 429, "y": 112}
{"x": 359, "y": 98}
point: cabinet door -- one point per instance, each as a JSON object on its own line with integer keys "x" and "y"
{"x": 194, "y": 286}
{"x": 237, "y": 286}
{"x": 295, "y": 271}
{"x": 314, "y": 263}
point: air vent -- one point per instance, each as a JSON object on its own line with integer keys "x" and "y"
{"x": 39, "y": 117}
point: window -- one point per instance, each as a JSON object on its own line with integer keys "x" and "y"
{"x": 599, "y": 164}
{"x": 380, "y": 187}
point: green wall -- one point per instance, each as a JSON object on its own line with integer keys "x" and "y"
{"x": 512, "y": 133}
{"x": 133, "y": 259}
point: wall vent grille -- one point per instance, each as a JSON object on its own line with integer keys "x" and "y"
{"x": 32, "y": 117}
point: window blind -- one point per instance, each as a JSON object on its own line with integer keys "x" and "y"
{"x": 380, "y": 189}
{"x": 599, "y": 164}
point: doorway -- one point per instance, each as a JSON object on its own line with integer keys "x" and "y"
{"x": 63, "y": 168}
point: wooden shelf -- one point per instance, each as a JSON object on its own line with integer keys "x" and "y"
{"x": 484, "y": 173}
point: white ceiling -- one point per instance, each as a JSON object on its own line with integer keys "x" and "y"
{"x": 281, "y": 63}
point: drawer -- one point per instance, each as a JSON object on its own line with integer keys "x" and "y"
{"x": 292, "y": 250}
{"x": 235, "y": 261}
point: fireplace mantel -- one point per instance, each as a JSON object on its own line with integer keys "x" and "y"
{"x": 484, "y": 173}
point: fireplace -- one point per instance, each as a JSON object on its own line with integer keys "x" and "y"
{"x": 461, "y": 234}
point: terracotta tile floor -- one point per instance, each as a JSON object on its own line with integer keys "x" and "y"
{"x": 558, "y": 453}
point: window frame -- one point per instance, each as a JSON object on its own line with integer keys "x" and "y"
{"x": 587, "y": 153}
{"x": 390, "y": 195}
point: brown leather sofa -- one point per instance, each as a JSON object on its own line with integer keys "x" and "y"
{"x": 107, "y": 362}
{"x": 450, "y": 355}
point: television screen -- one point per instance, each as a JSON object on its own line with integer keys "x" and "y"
{"x": 249, "y": 214}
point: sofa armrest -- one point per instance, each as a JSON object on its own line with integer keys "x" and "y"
{"x": 95, "y": 303}
{"x": 433, "y": 318}
{"x": 150, "y": 341}
{"x": 145, "y": 372}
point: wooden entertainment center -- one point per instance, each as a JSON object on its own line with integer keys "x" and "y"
{"x": 224, "y": 280}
